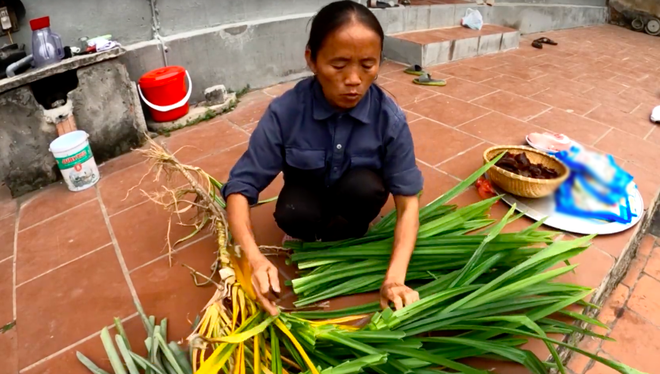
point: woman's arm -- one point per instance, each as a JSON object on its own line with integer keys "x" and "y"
{"x": 252, "y": 173}
{"x": 405, "y": 236}
{"x": 264, "y": 273}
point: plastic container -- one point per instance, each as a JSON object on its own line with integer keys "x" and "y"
{"x": 75, "y": 159}
{"x": 164, "y": 92}
{"x": 47, "y": 47}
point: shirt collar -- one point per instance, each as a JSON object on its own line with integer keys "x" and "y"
{"x": 322, "y": 110}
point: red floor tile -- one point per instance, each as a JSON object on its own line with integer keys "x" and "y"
{"x": 398, "y": 75}
{"x": 576, "y": 127}
{"x": 629, "y": 147}
{"x": 637, "y": 342}
{"x": 220, "y": 165}
{"x": 205, "y": 139}
{"x": 563, "y": 100}
{"x": 6, "y": 292}
{"x": 653, "y": 265}
{"x": 579, "y": 362}
{"x": 389, "y": 66}
{"x": 447, "y": 110}
{"x": 142, "y": 230}
{"x": 67, "y": 361}
{"x": 436, "y": 183}
{"x": 122, "y": 162}
{"x": 48, "y": 245}
{"x": 599, "y": 368}
{"x": 280, "y": 89}
{"x": 648, "y": 183}
{"x": 51, "y": 201}
{"x": 620, "y": 102}
{"x": 465, "y": 90}
{"x": 92, "y": 288}
{"x": 512, "y": 105}
{"x": 123, "y": 189}
{"x": 9, "y": 349}
{"x": 8, "y": 205}
{"x": 622, "y": 121}
{"x": 654, "y": 136}
{"x": 249, "y": 110}
{"x": 483, "y": 62}
{"x": 410, "y": 116}
{"x": 594, "y": 265}
{"x": 435, "y": 143}
{"x": 525, "y": 73}
{"x": 466, "y": 72}
{"x": 406, "y": 93}
{"x": 601, "y": 84}
{"x": 647, "y": 99}
{"x": 645, "y": 299}
{"x": 614, "y": 243}
{"x": 464, "y": 164}
{"x": 515, "y": 85}
{"x": 558, "y": 81}
{"x": 612, "y": 307}
{"x": 7, "y": 231}
{"x": 500, "y": 129}
{"x": 637, "y": 266}
{"x": 170, "y": 292}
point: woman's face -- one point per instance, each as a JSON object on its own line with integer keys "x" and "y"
{"x": 347, "y": 64}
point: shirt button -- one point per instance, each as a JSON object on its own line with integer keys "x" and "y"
{"x": 338, "y": 146}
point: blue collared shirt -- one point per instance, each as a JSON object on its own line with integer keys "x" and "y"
{"x": 300, "y": 130}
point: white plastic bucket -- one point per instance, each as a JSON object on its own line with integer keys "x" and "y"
{"x": 75, "y": 159}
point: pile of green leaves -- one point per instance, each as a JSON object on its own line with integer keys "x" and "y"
{"x": 447, "y": 240}
{"x": 476, "y": 311}
{"x": 162, "y": 357}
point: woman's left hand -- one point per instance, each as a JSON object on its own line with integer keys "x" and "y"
{"x": 398, "y": 293}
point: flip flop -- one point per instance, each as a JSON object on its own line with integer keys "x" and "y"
{"x": 545, "y": 40}
{"x": 537, "y": 44}
{"x": 426, "y": 80}
{"x": 414, "y": 70}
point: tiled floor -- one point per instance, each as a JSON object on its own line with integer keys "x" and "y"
{"x": 632, "y": 314}
{"x": 70, "y": 262}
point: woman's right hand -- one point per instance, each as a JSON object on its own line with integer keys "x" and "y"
{"x": 265, "y": 279}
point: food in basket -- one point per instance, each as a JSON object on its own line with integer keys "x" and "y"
{"x": 520, "y": 164}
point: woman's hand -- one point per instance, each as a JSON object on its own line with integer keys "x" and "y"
{"x": 398, "y": 293}
{"x": 405, "y": 235}
{"x": 265, "y": 279}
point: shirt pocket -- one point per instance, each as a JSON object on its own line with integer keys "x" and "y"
{"x": 371, "y": 162}
{"x": 305, "y": 159}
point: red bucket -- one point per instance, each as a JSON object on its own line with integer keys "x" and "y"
{"x": 164, "y": 92}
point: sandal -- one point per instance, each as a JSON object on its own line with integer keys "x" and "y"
{"x": 545, "y": 40}
{"x": 414, "y": 70}
{"x": 537, "y": 44}
{"x": 426, "y": 80}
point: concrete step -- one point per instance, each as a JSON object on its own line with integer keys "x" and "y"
{"x": 438, "y": 46}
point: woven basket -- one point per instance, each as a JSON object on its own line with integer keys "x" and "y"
{"x": 524, "y": 186}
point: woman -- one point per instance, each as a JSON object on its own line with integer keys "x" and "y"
{"x": 343, "y": 147}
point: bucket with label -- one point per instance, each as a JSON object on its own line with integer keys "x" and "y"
{"x": 164, "y": 91}
{"x": 75, "y": 159}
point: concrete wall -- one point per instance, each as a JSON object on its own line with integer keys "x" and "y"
{"x": 104, "y": 105}
{"x": 261, "y": 42}
{"x": 635, "y": 8}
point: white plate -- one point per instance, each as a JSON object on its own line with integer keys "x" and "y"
{"x": 533, "y": 145}
{"x": 538, "y": 209}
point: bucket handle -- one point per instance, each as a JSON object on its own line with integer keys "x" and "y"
{"x": 167, "y": 108}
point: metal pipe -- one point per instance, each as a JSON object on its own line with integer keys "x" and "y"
{"x": 11, "y": 69}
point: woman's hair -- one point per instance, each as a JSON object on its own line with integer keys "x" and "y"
{"x": 338, "y": 14}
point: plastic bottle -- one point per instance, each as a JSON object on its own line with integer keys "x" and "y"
{"x": 46, "y": 45}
